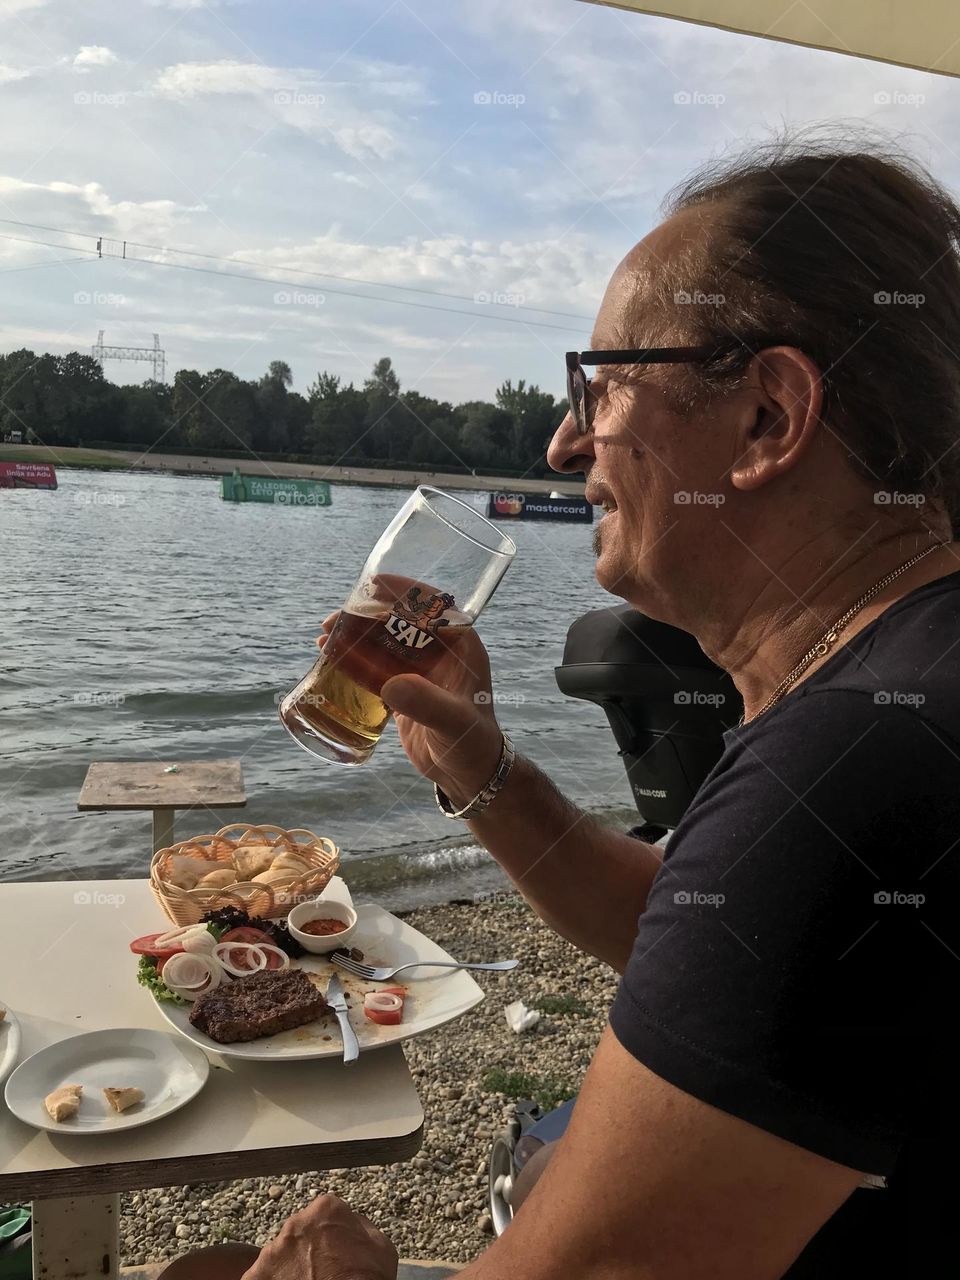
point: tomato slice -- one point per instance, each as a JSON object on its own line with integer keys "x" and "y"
{"x": 246, "y": 933}
{"x": 385, "y": 1017}
{"x": 147, "y": 946}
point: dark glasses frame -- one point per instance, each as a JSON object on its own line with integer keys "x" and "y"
{"x": 578, "y": 384}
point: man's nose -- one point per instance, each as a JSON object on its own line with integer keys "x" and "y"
{"x": 569, "y": 451}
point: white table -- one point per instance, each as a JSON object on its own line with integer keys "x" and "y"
{"x": 66, "y": 968}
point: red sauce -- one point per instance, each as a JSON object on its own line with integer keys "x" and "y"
{"x": 322, "y": 927}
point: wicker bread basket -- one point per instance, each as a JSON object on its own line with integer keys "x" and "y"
{"x": 307, "y": 863}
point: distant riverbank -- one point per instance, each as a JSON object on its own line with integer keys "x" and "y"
{"x": 187, "y": 464}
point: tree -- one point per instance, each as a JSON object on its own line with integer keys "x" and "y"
{"x": 382, "y": 391}
{"x": 271, "y": 432}
{"x": 535, "y": 418}
{"x": 486, "y": 433}
{"x": 337, "y": 416}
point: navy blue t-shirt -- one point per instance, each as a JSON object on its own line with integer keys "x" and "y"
{"x": 798, "y": 961}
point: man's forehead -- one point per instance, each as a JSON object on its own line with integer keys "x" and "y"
{"x": 636, "y": 277}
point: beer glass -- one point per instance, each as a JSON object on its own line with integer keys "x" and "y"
{"x": 433, "y": 569}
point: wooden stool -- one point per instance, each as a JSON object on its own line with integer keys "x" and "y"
{"x": 197, "y": 784}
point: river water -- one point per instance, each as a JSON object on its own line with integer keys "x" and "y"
{"x": 142, "y": 618}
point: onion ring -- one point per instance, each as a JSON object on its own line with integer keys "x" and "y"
{"x": 221, "y": 954}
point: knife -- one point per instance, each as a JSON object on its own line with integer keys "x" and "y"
{"x": 334, "y": 998}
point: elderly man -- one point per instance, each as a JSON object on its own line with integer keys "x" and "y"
{"x": 769, "y": 1098}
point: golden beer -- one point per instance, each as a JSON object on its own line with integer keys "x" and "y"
{"x": 338, "y": 702}
{"x": 394, "y": 622}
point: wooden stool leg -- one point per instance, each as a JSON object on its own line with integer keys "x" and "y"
{"x": 75, "y": 1238}
{"x": 163, "y": 828}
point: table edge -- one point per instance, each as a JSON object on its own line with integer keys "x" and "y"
{"x": 225, "y": 1166}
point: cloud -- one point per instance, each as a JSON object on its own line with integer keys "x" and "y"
{"x": 9, "y": 74}
{"x": 299, "y": 98}
{"x": 132, "y": 217}
{"x": 94, "y": 55}
{"x": 9, "y": 8}
{"x": 196, "y": 79}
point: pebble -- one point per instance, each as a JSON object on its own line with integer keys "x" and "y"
{"x": 434, "y": 1205}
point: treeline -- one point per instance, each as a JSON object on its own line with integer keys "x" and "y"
{"x": 66, "y": 400}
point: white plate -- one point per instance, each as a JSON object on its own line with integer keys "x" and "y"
{"x": 168, "y": 1071}
{"x": 383, "y": 939}
{"x": 9, "y": 1041}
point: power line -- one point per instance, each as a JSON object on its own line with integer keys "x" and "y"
{"x": 320, "y": 275}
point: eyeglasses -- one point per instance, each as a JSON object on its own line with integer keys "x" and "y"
{"x": 583, "y": 402}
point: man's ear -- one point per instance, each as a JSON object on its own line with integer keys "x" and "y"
{"x": 779, "y": 416}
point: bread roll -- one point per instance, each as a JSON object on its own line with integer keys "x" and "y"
{"x": 184, "y": 872}
{"x": 290, "y": 863}
{"x": 273, "y": 877}
{"x": 251, "y": 859}
{"x": 63, "y": 1102}
{"x": 121, "y": 1099}
{"x": 219, "y": 879}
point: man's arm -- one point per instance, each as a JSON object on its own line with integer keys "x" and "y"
{"x": 587, "y": 881}
{"x": 649, "y": 1183}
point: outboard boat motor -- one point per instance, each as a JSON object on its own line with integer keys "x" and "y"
{"x": 668, "y": 706}
{"x": 667, "y": 703}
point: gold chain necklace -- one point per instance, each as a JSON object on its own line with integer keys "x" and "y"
{"x": 826, "y": 642}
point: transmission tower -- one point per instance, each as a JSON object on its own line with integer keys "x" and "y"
{"x": 155, "y": 354}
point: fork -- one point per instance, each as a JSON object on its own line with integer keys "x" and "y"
{"x": 371, "y": 974}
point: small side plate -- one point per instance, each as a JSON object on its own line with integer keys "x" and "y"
{"x": 168, "y": 1069}
{"x": 9, "y": 1041}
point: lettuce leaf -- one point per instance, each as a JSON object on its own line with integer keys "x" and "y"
{"x": 148, "y": 977}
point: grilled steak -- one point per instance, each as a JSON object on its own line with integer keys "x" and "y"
{"x": 258, "y": 1005}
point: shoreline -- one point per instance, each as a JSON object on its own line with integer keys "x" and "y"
{"x": 435, "y": 1205}
{"x": 189, "y": 464}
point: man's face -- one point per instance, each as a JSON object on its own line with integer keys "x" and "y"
{"x": 660, "y": 475}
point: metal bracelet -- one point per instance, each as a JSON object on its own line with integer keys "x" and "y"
{"x": 482, "y": 798}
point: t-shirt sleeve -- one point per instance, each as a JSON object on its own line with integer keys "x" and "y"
{"x": 777, "y": 965}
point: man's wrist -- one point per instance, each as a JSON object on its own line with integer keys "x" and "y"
{"x": 471, "y": 808}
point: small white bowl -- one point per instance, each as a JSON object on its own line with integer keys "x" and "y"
{"x": 318, "y": 908}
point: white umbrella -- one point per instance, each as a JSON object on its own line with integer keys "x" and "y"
{"x": 922, "y": 33}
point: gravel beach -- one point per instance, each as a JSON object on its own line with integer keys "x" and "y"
{"x": 434, "y": 1206}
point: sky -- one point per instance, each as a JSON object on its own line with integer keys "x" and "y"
{"x": 504, "y": 153}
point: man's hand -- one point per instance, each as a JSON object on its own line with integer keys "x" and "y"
{"x": 326, "y": 1241}
{"x": 447, "y": 728}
